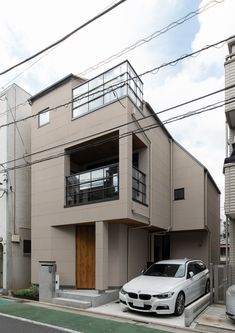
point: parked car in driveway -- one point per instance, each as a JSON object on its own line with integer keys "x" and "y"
{"x": 166, "y": 287}
{"x": 230, "y": 302}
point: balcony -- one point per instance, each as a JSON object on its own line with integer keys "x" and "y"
{"x": 92, "y": 186}
{"x": 110, "y": 86}
{"x": 101, "y": 184}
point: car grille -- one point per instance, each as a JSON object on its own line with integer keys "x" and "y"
{"x": 145, "y": 307}
{"x": 133, "y": 295}
{"x": 144, "y": 297}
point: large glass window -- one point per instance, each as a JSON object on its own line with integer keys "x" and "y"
{"x": 106, "y": 88}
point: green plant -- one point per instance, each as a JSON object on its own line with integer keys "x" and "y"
{"x": 32, "y": 292}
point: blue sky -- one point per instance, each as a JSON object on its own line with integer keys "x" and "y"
{"x": 26, "y": 28}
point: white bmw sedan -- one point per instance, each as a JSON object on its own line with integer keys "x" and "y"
{"x": 166, "y": 287}
{"x": 230, "y": 302}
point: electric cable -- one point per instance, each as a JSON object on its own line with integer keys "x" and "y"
{"x": 150, "y": 37}
{"x": 159, "y": 123}
{"x": 136, "y": 44}
{"x": 64, "y": 37}
{"x": 128, "y": 123}
{"x": 121, "y": 84}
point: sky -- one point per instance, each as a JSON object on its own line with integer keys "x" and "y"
{"x": 27, "y": 26}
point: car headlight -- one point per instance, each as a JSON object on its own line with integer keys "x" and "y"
{"x": 164, "y": 295}
{"x": 123, "y": 291}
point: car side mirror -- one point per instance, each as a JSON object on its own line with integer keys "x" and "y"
{"x": 190, "y": 274}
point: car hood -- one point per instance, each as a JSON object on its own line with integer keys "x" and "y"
{"x": 152, "y": 284}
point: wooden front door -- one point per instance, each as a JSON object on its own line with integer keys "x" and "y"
{"x": 85, "y": 254}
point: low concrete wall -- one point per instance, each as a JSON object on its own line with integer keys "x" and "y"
{"x": 193, "y": 310}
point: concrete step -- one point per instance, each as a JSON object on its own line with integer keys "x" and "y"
{"x": 72, "y": 302}
{"x": 94, "y": 297}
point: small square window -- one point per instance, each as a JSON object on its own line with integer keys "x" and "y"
{"x": 43, "y": 118}
{"x": 179, "y": 194}
{"x": 27, "y": 247}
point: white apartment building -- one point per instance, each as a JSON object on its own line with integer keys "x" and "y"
{"x": 15, "y": 232}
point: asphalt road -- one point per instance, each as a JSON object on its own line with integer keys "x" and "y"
{"x": 10, "y": 325}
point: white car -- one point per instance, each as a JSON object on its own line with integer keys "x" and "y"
{"x": 166, "y": 287}
{"x": 230, "y": 302}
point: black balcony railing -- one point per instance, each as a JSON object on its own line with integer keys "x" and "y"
{"x": 95, "y": 185}
{"x": 138, "y": 186}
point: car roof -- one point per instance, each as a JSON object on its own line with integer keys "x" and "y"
{"x": 174, "y": 261}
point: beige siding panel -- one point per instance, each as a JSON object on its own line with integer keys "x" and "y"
{"x": 117, "y": 254}
{"x": 192, "y": 245}
{"x": 188, "y": 214}
{"x": 137, "y": 252}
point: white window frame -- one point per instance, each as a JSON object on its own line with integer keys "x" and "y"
{"x": 43, "y": 117}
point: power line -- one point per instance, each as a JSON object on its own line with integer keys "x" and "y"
{"x": 116, "y": 137}
{"x": 131, "y": 122}
{"x": 136, "y": 44}
{"x": 44, "y": 55}
{"x": 63, "y": 38}
{"x": 148, "y": 38}
{"x": 121, "y": 84}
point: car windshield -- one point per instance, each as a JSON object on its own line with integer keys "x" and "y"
{"x": 166, "y": 270}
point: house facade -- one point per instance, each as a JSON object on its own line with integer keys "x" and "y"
{"x": 15, "y": 215}
{"x": 111, "y": 189}
{"x": 229, "y": 163}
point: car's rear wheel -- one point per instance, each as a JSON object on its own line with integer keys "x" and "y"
{"x": 207, "y": 287}
{"x": 179, "y": 304}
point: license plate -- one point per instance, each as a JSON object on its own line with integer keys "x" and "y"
{"x": 139, "y": 303}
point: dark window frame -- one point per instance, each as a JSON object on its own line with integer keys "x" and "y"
{"x": 179, "y": 194}
{"x": 27, "y": 247}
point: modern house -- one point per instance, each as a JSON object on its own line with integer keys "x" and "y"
{"x": 229, "y": 163}
{"x": 15, "y": 226}
{"x": 111, "y": 189}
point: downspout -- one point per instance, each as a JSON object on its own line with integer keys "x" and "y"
{"x": 171, "y": 185}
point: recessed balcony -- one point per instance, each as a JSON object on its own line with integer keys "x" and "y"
{"x": 96, "y": 185}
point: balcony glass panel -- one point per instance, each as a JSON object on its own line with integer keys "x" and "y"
{"x": 92, "y": 186}
{"x": 107, "y": 88}
{"x": 138, "y": 186}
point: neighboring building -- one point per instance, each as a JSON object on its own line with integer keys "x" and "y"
{"x": 108, "y": 197}
{"x": 229, "y": 163}
{"x": 15, "y": 215}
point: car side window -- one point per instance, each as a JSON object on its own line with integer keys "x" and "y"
{"x": 201, "y": 265}
{"x": 197, "y": 268}
{"x": 190, "y": 269}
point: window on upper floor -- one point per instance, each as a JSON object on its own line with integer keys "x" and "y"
{"x": 43, "y": 117}
{"x": 108, "y": 87}
{"x": 179, "y": 194}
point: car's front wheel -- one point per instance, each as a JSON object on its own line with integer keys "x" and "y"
{"x": 179, "y": 304}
